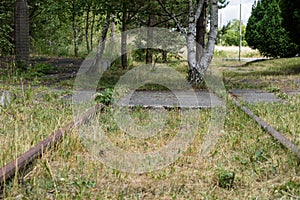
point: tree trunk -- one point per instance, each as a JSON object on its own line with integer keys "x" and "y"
{"x": 149, "y": 50}
{"x": 113, "y": 27}
{"x": 210, "y": 47}
{"x": 22, "y": 39}
{"x": 75, "y": 31}
{"x": 124, "y": 41}
{"x": 92, "y": 31}
{"x": 94, "y": 68}
{"x": 164, "y": 55}
{"x": 87, "y": 29}
{"x": 201, "y": 32}
{"x": 198, "y": 69}
{"x": 191, "y": 40}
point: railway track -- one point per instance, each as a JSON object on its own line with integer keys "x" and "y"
{"x": 268, "y": 128}
{"x": 24, "y": 161}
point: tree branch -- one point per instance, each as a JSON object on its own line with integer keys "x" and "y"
{"x": 199, "y": 10}
{"x": 161, "y": 22}
{"x": 172, "y": 16}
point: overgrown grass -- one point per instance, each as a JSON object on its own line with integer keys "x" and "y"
{"x": 284, "y": 117}
{"x": 280, "y": 73}
{"x": 31, "y": 116}
{"x": 246, "y": 163}
{"x": 262, "y": 168}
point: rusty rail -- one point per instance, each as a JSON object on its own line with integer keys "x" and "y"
{"x": 267, "y": 127}
{"x": 23, "y": 161}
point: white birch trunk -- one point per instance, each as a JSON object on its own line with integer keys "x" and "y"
{"x": 197, "y": 70}
{"x": 94, "y": 68}
{"x": 210, "y": 47}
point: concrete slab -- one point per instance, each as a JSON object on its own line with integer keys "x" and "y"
{"x": 167, "y": 99}
{"x": 293, "y": 92}
{"x": 255, "y": 96}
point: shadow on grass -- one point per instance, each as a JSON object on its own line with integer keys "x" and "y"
{"x": 273, "y": 69}
{"x": 290, "y": 70}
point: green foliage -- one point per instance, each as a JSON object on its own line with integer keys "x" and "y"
{"x": 37, "y": 70}
{"x": 43, "y": 68}
{"x": 139, "y": 55}
{"x": 225, "y": 178}
{"x": 40, "y": 68}
{"x": 266, "y": 33}
{"x": 229, "y": 35}
{"x": 291, "y": 19}
{"x": 6, "y": 27}
{"x": 291, "y": 187}
{"x": 105, "y": 97}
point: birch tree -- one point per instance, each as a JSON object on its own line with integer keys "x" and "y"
{"x": 198, "y": 68}
{"x": 198, "y": 64}
{"x": 94, "y": 68}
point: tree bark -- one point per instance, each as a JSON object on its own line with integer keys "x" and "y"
{"x": 22, "y": 39}
{"x": 113, "y": 27}
{"x": 124, "y": 40}
{"x": 164, "y": 55}
{"x": 198, "y": 66}
{"x": 94, "y": 68}
{"x": 191, "y": 38}
{"x": 210, "y": 47}
{"x": 75, "y": 31}
{"x": 92, "y": 31}
{"x": 149, "y": 50}
{"x": 201, "y": 32}
{"x": 87, "y": 29}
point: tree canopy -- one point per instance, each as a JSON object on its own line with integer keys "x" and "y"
{"x": 270, "y": 28}
{"x": 229, "y": 35}
{"x": 75, "y": 27}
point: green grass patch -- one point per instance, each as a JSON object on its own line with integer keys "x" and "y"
{"x": 284, "y": 117}
{"x": 280, "y": 73}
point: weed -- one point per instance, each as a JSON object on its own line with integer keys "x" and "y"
{"x": 28, "y": 120}
{"x": 104, "y": 97}
{"x": 273, "y": 89}
{"x": 283, "y": 117}
{"x": 225, "y": 178}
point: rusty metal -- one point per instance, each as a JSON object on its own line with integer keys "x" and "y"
{"x": 23, "y": 161}
{"x": 267, "y": 127}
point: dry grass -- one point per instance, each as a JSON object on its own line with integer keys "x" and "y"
{"x": 32, "y": 115}
{"x": 233, "y": 52}
{"x": 263, "y": 169}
